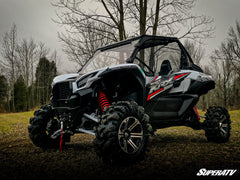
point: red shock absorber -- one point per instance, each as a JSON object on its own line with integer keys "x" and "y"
{"x": 103, "y": 101}
{"x": 196, "y": 112}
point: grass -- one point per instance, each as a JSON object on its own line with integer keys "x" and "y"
{"x": 10, "y": 120}
{"x": 235, "y": 117}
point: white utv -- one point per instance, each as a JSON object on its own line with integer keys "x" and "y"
{"x": 125, "y": 92}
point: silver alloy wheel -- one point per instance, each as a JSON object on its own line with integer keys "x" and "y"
{"x": 130, "y": 135}
{"x": 223, "y": 125}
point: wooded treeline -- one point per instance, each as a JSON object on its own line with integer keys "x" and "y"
{"x": 224, "y": 66}
{"x": 26, "y": 72}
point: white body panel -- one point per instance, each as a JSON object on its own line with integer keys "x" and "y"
{"x": 64, "y": 77}
{"x": 194, "y": 75}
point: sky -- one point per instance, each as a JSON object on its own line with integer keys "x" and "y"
{"x": 225, "y": 14}
{"x": 34, "y": 18}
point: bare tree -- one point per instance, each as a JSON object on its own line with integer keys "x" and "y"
{"x": 81, "y": 44}
{"x": 89, "y": 30}
{"x": 26, "y": 56}
{"x": 42, "y": 50}
{"x": 234, "y": 47}
{"x": 55, "y": 58}
{"x": 26, "y": 60}
{"x": 226, "y": 69}
{"x": 74, "y": 14}
{"x": 195, "y": 51}
{"x": 116, "y": 20}
{"x": 223, "y": 73}
{"x": 9, "y": 46}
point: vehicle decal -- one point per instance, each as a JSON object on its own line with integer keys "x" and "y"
{"x": 155, "y": 78}
{"x": 154, "y": 93}
{"x": 140, "y": 69}
{"x": 180, "y": 75}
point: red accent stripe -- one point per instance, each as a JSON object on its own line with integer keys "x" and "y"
{"x": 155, "y": 78}
{"x": 150, "y": 95}
{"x": 180, "y": 75}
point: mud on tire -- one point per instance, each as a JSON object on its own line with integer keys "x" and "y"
{"x": 42, "y": 125}
{"x": 217, "y": 125}
{"x": 123, "y": 133}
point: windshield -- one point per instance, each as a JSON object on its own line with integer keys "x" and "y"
{"x": 109, "y": 57}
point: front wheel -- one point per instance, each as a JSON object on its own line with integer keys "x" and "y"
{"x": 217, "y": 125}
{"x": 123, "y": 133}
{"x": 42, "y": 126}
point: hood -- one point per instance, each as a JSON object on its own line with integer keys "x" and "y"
{"x": 64, "y": 77}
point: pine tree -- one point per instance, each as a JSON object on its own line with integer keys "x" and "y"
{"x": 20, "y": 95}
{"x": 45, "y": 73}
{"x": 3, "y": 93}
{"x": 3, "y": 89}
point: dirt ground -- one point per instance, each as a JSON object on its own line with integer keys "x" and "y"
{"x": 174, "y": 153}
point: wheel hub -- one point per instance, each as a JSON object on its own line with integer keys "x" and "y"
{"x": 130, "y": 135}
{"x": 126, "y": 135}
{"x": 223, "y": 124}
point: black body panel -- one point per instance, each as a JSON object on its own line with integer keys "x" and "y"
{"x": 63, "y": 98}
{"x": 168, "y": 109}
{"x": 61, "y": 93}
{"x": 201, "y": 87}
{"x": 128, "y": 82}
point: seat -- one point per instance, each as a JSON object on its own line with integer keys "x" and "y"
{"x": 166, "y": 68}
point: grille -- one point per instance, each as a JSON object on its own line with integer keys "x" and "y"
{"x": 61, "y": 90}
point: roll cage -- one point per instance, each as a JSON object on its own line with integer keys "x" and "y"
{"x": 147, "y": 41}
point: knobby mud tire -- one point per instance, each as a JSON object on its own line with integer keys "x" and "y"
{"x": 217, "y": 124}
{"x": 107, "y": 143}
{"x": 42, "y": 126}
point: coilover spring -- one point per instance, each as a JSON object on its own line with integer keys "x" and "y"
{"x": 103, "y": 100}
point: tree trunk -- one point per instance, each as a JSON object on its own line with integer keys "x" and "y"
{"x": 142, "y": 22}
{"x": 143, "y": 14}
{"x": 154, "y": 33}
{"x": 121, "y": 28}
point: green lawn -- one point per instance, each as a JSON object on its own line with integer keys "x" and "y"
{"x": 9, "y": 120}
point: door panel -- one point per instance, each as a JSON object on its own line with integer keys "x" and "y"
{"x": 170, "y": 107}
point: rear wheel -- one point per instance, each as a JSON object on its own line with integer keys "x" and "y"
{"x": 123, "y": 133}
{"x": 217, "y": 125}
